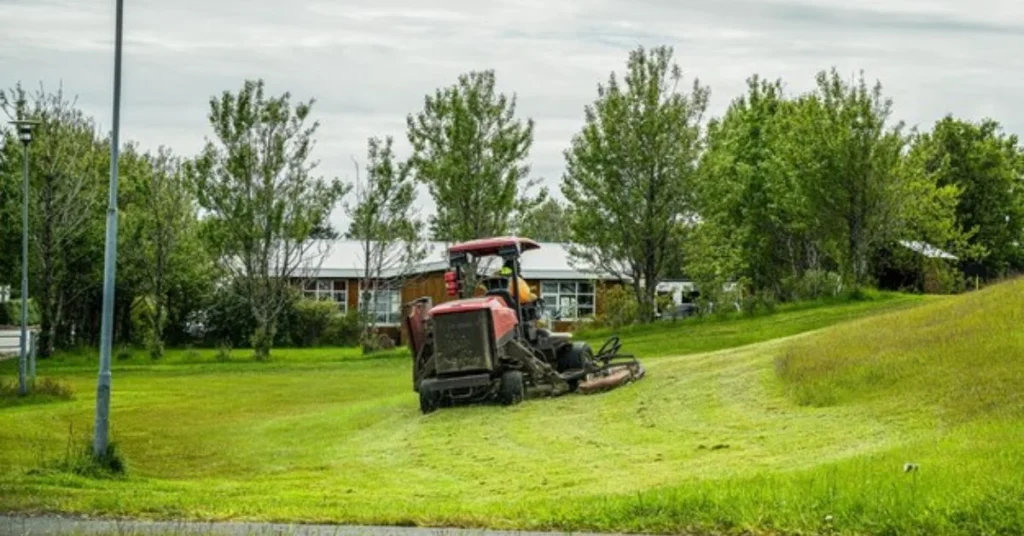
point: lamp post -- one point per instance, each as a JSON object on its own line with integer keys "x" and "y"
{"x": 100, "y": 439}
{"x": 24, "y": 128}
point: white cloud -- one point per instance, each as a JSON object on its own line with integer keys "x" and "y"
{"x": 369, "y": 63}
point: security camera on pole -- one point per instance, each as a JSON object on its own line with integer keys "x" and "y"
{"x": 24, "y": 128}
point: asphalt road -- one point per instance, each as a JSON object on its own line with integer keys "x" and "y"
{"x": 11, "y": 525}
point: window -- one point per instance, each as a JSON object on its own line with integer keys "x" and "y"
{"x": 567, "y": 300}
{"x": 385, "y": 304}
{"x": 335, "y": 290}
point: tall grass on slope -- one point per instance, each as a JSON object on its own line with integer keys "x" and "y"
{"x": 710, "y": 333}
{"x": 964, "y": 355}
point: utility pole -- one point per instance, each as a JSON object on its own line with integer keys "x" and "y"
{"x": 99, "y": 445}
{"x": 25, "y": 135}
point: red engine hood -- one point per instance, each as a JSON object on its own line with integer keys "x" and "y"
{"x": 503, "y": 316}
{"x": 470, "y": 304}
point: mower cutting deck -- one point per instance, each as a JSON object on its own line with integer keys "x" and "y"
{"x": 489, "y": 347}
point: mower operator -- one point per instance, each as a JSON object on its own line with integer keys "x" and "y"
{"x": 525, "y": 294}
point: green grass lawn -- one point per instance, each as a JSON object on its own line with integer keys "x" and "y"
{"x": 756, "y": 424}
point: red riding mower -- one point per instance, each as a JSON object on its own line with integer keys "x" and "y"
{"x": 489, "y": 347}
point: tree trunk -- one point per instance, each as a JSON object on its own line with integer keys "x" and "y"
{"x": 156, "y": 346}
{"x": 650, "y": 284}
{"x": 647, "y": 308}
{"x": 263, "y": 338}
{"x": 854, "y": 252}
{"x": 367, "y": 312}
{"x": 46, "y": 335}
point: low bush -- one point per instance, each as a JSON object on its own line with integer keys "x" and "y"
{"x": 618, "y": 308}
{"x": 78, "y": 459}
{"x": 224, "y": 352}
{"x": 342, "y": 330}
{"x": 44, "y": 390}
{"x": 760, "y": 302}
{"x": 302, "y": 323}
{"x": 155, "y": 347}
{"x": 862, "y": 293}
{"x": 812, "y": 285}
{"x": 310, "y": 321}
{"x": 191, "y": 354}
{"x": 942, "y": 278}
{"x": 317, "y": 323}
{"x": 125, "y": 352}
{"x": 10, "y": 313}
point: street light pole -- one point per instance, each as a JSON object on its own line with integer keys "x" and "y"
{"x": 24, "y": 128}
{"x": 100, "y": 440}
{"x": 23, "y": 357}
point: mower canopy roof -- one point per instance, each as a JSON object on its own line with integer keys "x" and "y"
{"x": 493, "y": 246}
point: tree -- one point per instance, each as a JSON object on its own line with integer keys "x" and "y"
{"x": 67, "y": 163}
{"x": 987, "y": 167}
{"x": 754, "y": 213}
{"x": 469, "y": 149}
{"x": 256, "y": 183}
{"x": 385, "y": 222}
{"x": 161, "y": 226}
{"x": 848, "y": 158}
{"x": 547, "y": 222}
{"x": 630, "y": 171}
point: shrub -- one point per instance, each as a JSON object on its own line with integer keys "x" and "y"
{"x": 125, "y": 352}
{"x": 619, "y": 307}
{"x": 942, "y": 278}
{"x": 10, "y": 313}
{"x": 714, "y": 299}
{"x": 376, "y": 342}
{"x": 862, "y": 294}
{"x": 81, "y": 461}
{"x": 262, "y": 340}
{"x": 155, "y": 347}
{"x": 311, "y": 320}
{"x": 191, "y": 354}
{"x": 812, "y": 285}
{"x": 762, "y": 301}
{"x": 45, "y": 389}
{"x": 54, "y": 388}
{"x": 342, "y": 330}
{"x": 665, "y": 305}
{"x": 229, "y": 318}
{"x": 224, "y": 351}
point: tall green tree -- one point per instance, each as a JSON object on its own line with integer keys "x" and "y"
{"x": 161, "y": 235}
{"x": 986, "y": 165}
{"x": 848, "y": 155}
{"x": 470, "y": 151}
{"x": 256, "y": 184}
{"x": 547, "y": 222}
{"x": 385, "y": 222}
{"x": 67, "y": 161}
{"x": 748, "y": 198}
{"x": 630, "y": 172}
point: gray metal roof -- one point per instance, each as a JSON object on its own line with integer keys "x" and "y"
{"x": 344, "y": 260}
{"x": 927, "y": 250}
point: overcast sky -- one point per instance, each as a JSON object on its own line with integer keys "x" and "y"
{"x": 370, "y": 62}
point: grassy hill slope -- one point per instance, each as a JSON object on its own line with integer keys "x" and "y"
{"x": 801, "y": 433}
{"x": 964, "y": 356}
